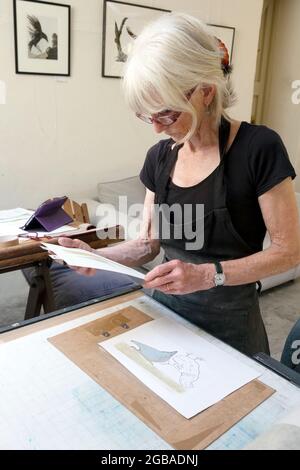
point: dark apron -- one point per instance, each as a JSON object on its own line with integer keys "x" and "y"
{"x": 231, "y": 313}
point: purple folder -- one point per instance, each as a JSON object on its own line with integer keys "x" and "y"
{"x": 48, "y": 216}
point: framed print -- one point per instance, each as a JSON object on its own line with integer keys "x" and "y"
{"x": 226, "y": 35}
{"x": 42, "y": 37}
{"x": 122, "y": 22}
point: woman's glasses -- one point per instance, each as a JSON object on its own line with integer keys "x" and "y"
{"x": 167, "y": 117}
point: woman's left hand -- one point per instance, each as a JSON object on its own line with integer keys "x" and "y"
{"x": 177, "y": 277}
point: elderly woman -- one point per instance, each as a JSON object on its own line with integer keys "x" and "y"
{"x": 177, "y": 79}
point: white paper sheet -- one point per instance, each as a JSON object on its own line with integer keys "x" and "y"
{"x": 12, "y": 215}
{"x": 86, "y": 259}
{"x": 62, "y": 230}
{"x": 186, "y": 371}
{"x": 12, "y": 219}
{"x": 292, "y": 418}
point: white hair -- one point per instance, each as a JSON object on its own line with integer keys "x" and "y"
{"x": 171, "y": 56}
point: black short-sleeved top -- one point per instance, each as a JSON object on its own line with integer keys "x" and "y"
{"x": 256, "y": 162}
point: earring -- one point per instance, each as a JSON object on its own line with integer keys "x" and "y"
{"x": 207, "y": 110}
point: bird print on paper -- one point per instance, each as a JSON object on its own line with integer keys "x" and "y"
{"x": 36, "y": 33}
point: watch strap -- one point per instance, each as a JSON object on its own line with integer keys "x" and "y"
{"x": 219, "y": 268}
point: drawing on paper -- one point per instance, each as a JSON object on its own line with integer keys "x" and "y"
{"x": 42, "y": 37}
{"x": 178, "y": 364}
{"x": 186, "y": 365}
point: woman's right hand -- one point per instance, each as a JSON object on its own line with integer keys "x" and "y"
{"x": 70, "y": 243}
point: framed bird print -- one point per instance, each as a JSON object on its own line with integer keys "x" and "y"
{"x": 42, "y": 37}
{"x": 122, "y": 22}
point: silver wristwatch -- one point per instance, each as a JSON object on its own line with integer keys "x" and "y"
{"x": 219, "y": 277}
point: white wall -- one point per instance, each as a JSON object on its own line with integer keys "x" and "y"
{"x": 279, "y": 111}
{"x": 63, "y": 136}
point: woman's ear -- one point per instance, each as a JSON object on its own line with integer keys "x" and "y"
{"x": 209, "y": 92}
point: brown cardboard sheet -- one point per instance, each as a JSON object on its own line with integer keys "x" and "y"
{"x": 80, "y": 345}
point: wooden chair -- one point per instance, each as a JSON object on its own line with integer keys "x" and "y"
{"x": 78, "y": 212}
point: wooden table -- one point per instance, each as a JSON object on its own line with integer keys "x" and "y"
{"x": 30, "y": 254}
{"x": 107, "y": 423}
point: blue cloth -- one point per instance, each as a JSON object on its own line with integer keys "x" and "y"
{"x": 71, "y": 288}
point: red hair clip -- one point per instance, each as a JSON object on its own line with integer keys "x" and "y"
{"x": 226, "y": 67}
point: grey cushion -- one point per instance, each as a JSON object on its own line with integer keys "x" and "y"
{"x": 110, "y": 191}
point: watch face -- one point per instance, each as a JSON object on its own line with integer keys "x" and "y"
{"x": 219, "y": 279}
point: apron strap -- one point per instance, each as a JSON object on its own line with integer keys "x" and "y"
{"x": 219, "y": 189}
{"x": 224, "y": 132}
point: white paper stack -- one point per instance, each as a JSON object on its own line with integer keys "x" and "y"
{"x": 12, "y": 215}
{"x": 86, "y": 259}
{"x": 12, "y": 219}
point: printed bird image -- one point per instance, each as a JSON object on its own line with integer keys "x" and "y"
{"x": 186, "y": 364}
{"x": 122, "y": 57}
{"x": 36, "y": 33}
{"x": 152, "y": 354}
{"x": 131, "y": 33}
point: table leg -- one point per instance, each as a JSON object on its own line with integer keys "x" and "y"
{"x": 40, "y": 292}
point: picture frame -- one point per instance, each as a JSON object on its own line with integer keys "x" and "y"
{"x": 42, "y": 37}
{"x": 117, "y": 34}
{"x": 116, "y": 38}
